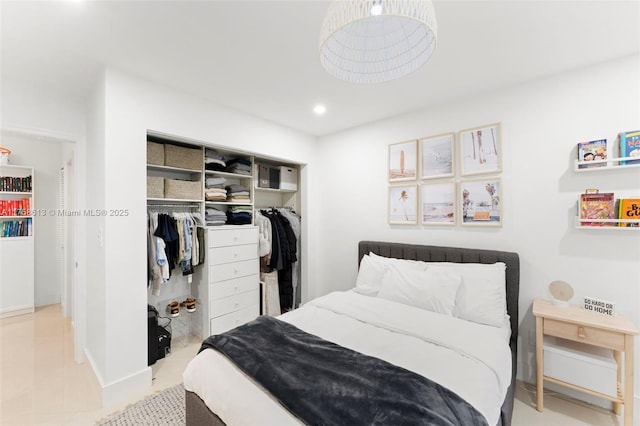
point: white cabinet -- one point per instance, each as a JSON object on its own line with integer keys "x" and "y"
{"x": 16, "y": 240}
{"x": 229, "y": 294}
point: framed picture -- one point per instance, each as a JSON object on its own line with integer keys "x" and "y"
{"x": 438, "y": 203}
{"x": 403, "y": 161}
{"x": 480, "y": 150}
{"x": 437, "y": 159}
{"x": 403, "y": 205}
{"x": 481, "y": 202}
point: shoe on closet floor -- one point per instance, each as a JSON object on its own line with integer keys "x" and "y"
{"x": 190, "y": 304}
{"x": 174, "y": 309}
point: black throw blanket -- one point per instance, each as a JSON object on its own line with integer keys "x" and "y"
{"x": 322, "y": 383}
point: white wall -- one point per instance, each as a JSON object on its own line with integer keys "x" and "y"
{"x": 46, "y": 157}
{"x": 541, "y": 124}
{"x": 122, "y": 112}
{"x": 97, "y": 318}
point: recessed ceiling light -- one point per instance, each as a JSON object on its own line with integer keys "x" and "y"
{"x": 319, "y": 109}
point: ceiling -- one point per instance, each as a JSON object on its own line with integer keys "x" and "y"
{"x": 261, "y": 57}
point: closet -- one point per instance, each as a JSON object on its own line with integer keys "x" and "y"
{"x": 231, "y": 193}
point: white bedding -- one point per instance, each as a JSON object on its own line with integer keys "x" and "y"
{"x": 471, "y": 359}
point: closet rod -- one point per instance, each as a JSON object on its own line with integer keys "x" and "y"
{"x": 275, "y": 207}
{"x": 181, "y": 206}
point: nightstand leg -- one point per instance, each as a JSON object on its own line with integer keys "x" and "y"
{"x": 539, "y": 364}
{"x": 616, "y": 405}
{"x": 628, "y": 379}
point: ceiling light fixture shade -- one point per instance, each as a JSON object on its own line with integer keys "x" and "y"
{"x": 372, "y": 41}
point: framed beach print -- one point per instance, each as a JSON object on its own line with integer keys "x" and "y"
{"x": 403, "y": 205}
{"x": 438, "y": 203}
{"x": 481, "y": 202}
{"x": 403, "y": 161}
{"x": 480, "y": 150}
{"x": 436, "y": 155}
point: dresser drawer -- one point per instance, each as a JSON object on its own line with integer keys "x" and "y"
{"x": 220, "y": 255}
{"x": 227, "y": 322}
{"x": 232, "y": 270}
{"x": 218, "y": 307}
{"x": 228, "y": 288}
{"x": 581, "y": 333}
{"x": 231, "y": 237}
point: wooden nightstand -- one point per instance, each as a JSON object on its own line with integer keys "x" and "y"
{"x": 574, "y": 323}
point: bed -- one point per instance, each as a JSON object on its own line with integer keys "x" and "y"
{"x": 384, "y": 329}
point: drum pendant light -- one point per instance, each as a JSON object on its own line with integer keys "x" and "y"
{"x": 373, "y": 41}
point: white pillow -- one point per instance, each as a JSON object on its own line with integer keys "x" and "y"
{"x": 412, "y": 264}
{"x": 369, "y": 278}
{"x": 433, "y": 290}
{"x": 372, "y": 268}
{"x": 482, "y": 294}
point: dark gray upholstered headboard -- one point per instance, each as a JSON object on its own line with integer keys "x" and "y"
{"x": 464, "y": 255}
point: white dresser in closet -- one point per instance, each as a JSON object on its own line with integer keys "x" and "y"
{"x": 232, "y": 277}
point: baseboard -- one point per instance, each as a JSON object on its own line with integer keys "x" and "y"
{"x": 125, "y": 389}
{"x": 96, "y": 372}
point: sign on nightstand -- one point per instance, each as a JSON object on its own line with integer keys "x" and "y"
{"x": 600, "y": 306}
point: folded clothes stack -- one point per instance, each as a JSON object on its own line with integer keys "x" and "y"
{"x": 239, "y": 165}
{"x": 214, "y": 182}
{"x": 238, "y": 193}
{"x": 214, "y": 217}
{"x": 239, "y": 215}
{"x": 214, "y": 161}
{"x": 215, "y": 194}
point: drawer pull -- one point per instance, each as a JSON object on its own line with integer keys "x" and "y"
{"x": 235, "y": 288}
{"x": 236, "y": 305}
{"x": 235, "y": 255}
{"x": 581, "y": 333}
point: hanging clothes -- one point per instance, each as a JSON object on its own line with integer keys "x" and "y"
{"x": 176, "y": 239}
{"x": 283, "y": 255}
{"x": 294, "y": 221}
{"x": 168, "y": 231}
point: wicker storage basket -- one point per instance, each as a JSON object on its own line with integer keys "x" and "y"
{"x": 155, "y": 153}
{"x": 184, "y": 158}
{"x": 182, "y": 189}
{"x": 155, "y": 187}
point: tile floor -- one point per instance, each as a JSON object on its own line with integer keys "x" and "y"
{"x": 40, "y": 384}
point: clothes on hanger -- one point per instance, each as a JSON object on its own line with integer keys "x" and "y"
{"x": 294, "y": 221}
{"x": 283, "y": 255}
{"x": 173, "y": 239}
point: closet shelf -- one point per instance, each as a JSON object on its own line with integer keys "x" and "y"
{"x": 226, "y": 203}
{"x": 291, "y": 191}
{"x": 172, "y": 200}
{"x": 171, "y": 169}
{"x": 227, "y": 174}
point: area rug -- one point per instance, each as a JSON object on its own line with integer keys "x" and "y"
{"x": 166, "y": 408}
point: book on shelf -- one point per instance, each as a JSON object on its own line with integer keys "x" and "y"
{"x": 629, "y": 146}
{"x": 15, "y": 228}
{"x": 591, "y": 151}
{"x": 15, "y": 184}
{"x": 596, "y": 206}
{"x": 629, "y": 208}
{"x": 21, "y": 207}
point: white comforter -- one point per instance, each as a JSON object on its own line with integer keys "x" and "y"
{"x": 470, "y": 359}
